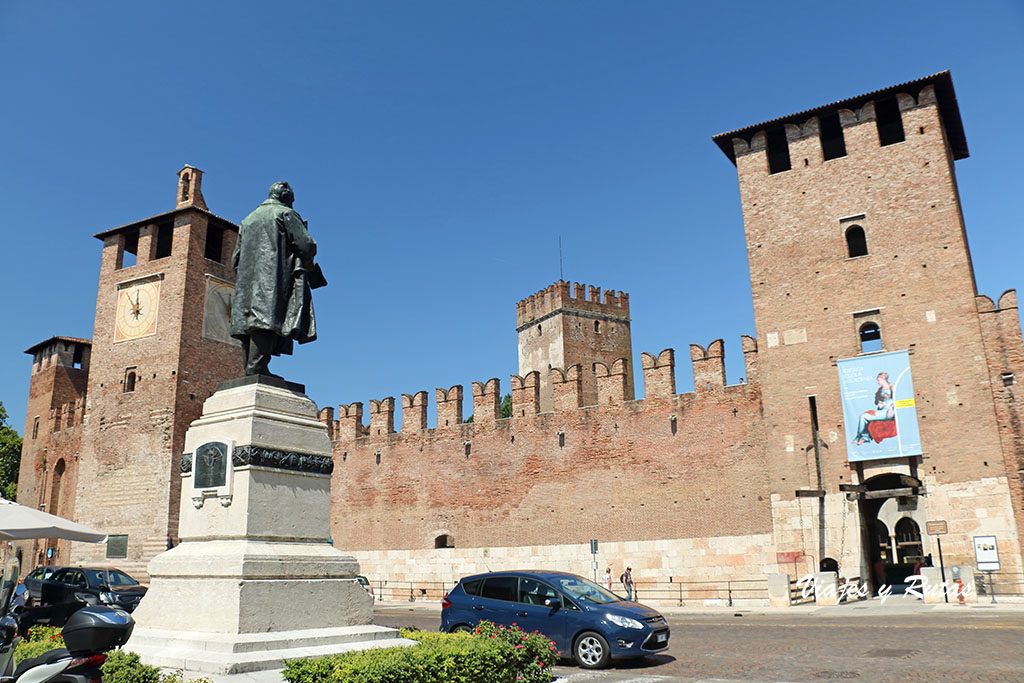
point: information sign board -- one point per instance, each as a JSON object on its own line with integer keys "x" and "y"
{"x": 986, "y": 553}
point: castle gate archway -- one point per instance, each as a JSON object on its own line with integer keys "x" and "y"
{"x": 892, "y": 515}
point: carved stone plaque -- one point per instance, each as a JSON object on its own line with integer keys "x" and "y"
{"x": 211, "y": 462}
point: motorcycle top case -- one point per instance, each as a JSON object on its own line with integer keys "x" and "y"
{"x": 97, "y": 629}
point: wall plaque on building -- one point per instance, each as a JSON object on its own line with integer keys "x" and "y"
{"x": 879, "y": 412}
{"x": 211, "y": 472}
{"x": 211, "y": 464}
{"x": 936, "y": 528}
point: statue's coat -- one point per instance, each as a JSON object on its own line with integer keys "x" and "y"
{"x": 273, "y": 258}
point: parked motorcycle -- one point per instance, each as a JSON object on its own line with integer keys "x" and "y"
{"x": 88, "y": 635}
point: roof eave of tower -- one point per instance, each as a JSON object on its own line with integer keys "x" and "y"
{"x": 161, "y": 216}
{"x": 949, "y": 110}
{"x": 46, "y": 342}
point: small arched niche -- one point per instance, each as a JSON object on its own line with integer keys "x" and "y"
{"x": 856, "y": 242}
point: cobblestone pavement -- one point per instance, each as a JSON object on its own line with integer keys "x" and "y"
{"x": 852, "y": 643}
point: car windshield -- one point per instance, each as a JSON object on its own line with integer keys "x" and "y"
{"x": 578, "y": 588}
{"x": 109, "y": 577}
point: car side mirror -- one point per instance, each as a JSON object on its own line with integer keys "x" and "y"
{"x": 553, "y": 603}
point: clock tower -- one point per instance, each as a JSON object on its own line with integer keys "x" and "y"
{"x": 160, "y": 346}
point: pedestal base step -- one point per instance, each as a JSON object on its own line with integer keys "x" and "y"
{"x": 228, "y": 653}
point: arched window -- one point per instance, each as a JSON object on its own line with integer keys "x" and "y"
{"x": 882, "y": 538}
{"x": 908, "y": 541}
{"x": 444, "y": 541}
{"x": 856, "y": 242}
{"x": 870, "y": 337}
{"x": 58, "y": 476}
{"x": 129, "y": 380}
{"x": 597, "y": 326}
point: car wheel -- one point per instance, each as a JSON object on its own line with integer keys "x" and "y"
{"x": 591, "y": 650}
{"x": 461, "y": 628}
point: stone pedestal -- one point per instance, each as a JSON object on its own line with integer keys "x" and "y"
{"x": 779, "y": 591}
{"x": 255, "y": 579}
{"x": 826, "y": 588}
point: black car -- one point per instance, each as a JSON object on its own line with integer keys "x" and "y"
{"x": 71, "y": 588}
{"x": 35, "y": 579}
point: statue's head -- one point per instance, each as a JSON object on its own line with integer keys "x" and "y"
{"x": 282, "y": 192}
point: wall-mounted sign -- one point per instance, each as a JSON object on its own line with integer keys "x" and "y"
{"x": 936, "y": 528}
{"x": 986, "y": 553}
{"x": 878, "y": 406}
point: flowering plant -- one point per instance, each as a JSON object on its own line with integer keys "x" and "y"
{"x": 534, "y": 652}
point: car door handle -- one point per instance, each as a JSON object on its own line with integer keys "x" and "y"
{"x": 478, "y": 607}
{"x": 522, "y": 614}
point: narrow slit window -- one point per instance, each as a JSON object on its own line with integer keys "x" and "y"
{"x": 778, "y": 151}
{"x": 129, "y": 380}
{"x": 856, "y": 242}
{"x": 870, "y": 338}
{"x": 833, "y": 145}
{"x": 889, "y": 122}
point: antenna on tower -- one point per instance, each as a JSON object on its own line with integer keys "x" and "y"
{"x": 560, "y": 277}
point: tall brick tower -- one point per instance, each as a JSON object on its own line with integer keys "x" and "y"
{"x": 160, "y": 346}
{"x": 53, "y": 435}
{"x": 857, "y": 246}
{"x": 559, "y": 329}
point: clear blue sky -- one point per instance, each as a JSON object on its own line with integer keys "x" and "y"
{"x": 439, "y": 149}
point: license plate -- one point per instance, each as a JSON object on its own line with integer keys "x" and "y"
{"x": 662, "y": 637}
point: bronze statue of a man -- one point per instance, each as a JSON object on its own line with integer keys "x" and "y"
{"x": 273, "y": 259}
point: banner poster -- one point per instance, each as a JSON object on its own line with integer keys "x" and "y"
{"x": 878, "y": 406}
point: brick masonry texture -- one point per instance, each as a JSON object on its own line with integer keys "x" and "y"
{"x": 699, "y": 485}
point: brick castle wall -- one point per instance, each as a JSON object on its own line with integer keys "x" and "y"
{"x": 663, "y": 467}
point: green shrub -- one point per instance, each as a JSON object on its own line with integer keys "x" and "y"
{"x": 534, "y": 653}
{"x": 125, "y": 667}
{"x": 40, "y": 639}
{"x": 494, "y": 654}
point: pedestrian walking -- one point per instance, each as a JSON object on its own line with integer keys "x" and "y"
{"x": 606, "y": 580}
{"x": 627, "y": 582}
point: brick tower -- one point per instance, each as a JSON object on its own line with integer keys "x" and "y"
{"x": 857, "y": 246}
{"x": 160, "y": 347}
{"x": 559, "y": 329}
{"x": 53, "y": 435}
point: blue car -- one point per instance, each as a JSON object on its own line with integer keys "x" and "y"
{"x": 582, "y": 618}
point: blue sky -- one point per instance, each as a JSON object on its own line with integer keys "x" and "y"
{"x": 439, "y": 150}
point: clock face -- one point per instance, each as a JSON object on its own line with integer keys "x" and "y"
{"x": 137, "y": 305}
{"x": 217, "y": 311}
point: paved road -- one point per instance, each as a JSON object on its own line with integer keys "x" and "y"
{"x": 859, "y": 643}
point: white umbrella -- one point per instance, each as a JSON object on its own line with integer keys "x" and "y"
{"x": 19, "y": 522}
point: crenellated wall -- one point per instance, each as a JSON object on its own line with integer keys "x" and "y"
{"x": 665, "y": 467}
{"x": 561, "y": 326}
{"x": 1004, "y": 351}
{"x": 558, "y": 295}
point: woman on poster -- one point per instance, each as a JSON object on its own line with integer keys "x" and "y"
{"x": 885, "y": 409}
